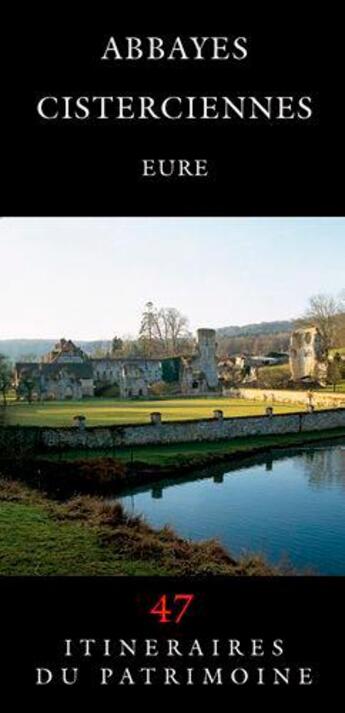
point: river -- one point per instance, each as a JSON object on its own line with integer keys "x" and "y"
{"x": 287, "y": 505}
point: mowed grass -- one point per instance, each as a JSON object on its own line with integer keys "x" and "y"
{"x": 100, "y": 412}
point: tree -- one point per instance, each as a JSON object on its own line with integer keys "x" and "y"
{"x": 274, "y": 377}
{"x": 163, "y": 331}
{"x": 253, "y": 344}
{"x": 146, "y": 331}
{"x": 27, "y": 387}
{"x": 334, "y": 372}
{"x": 132, "y": 348}
{"x": 100, "y": 352}
{"x": 172, "y": 328}
{"x": 322, "y": 312}
{"x": 116, "y": 345}
{"x": 5, "y": 378}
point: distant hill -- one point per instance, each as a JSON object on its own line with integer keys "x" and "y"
{"x": 252, "y": 330}
{"x": 31, "y": 349}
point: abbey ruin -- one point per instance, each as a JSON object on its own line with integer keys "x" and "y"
{"x": 308, "y": 357}
{"x": 69, "y": 373}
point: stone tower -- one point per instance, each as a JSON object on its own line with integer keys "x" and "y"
{"x": 207, "y": 356}
{"x": 307, "y": 354}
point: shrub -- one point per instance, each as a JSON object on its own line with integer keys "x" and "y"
{"x": 161, "y": 388}
{"x": 274, "y": 377}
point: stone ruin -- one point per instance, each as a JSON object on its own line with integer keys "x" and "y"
{"x": 308, "y": 356}
{"x": 68, "y": 373}
{"x": 199, "y": 373}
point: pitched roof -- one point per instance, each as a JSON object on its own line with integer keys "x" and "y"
{"x": 64, "y": 348}
{"x": 34, "y": 370}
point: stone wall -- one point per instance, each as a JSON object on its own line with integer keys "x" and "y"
{"x": 110, "y": 437}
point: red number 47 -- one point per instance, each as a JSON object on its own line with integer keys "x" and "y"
{"x": 174, "y": 614}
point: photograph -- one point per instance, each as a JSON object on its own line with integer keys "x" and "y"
{"x": 172, "y": 396}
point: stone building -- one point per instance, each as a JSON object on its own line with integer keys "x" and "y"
{"x": 63, "y": 373}
{"x": 65, "y": 352}
{"x": 308, "y": 358}
{"x": 68, "y": 373}
{"x": 199, "y": 373}
{"x": 132, "y": 376}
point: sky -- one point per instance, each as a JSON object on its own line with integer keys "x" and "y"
{"x": 89, "y": 278}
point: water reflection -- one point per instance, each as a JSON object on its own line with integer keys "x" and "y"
{"x": 325, "y": 467}
{"x": 286, "y": 503}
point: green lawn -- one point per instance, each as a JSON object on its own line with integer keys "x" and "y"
{"x": 33, "y": 542}
{"x": 340, "y": 387}
{"x": 115, "y": 411}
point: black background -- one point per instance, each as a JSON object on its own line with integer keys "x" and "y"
{"x": 39, "y": 613}
{"x": 91, "y": 169}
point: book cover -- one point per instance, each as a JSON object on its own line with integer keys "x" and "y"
{"x": 172, "y": 356}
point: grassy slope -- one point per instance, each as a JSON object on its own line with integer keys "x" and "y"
{"x": 33, "y": 543}
{"x": 85, "y": 536}
{"x": 111, "y": 411}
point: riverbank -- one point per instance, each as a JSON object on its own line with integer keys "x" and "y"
{"x": 102, "y": 472}
{"x": 86, "y": 536}
{"x": 187, "y": 456}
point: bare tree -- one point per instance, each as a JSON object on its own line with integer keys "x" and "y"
{"x": 163, "y": 331}
{"x": 173, "y": 326}
{"x": 322, "y": 312}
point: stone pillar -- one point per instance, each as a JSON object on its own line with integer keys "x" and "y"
{"x": 218, "y": 415}
{"x": 79, "y": 422}
{"x": 156, "y": 417}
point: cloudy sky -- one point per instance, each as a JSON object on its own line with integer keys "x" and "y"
{"x": 89, "y": 278}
